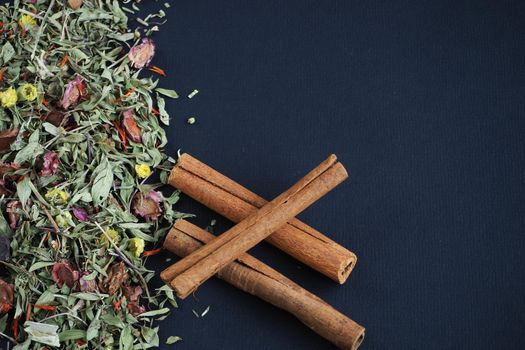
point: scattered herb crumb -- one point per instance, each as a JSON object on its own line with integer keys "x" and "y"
{"x": 193, "y": 93}
{"x": 173, "y": 340}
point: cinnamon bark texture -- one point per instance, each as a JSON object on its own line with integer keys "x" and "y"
{"x": 235, "y": 202}
{"x": 189, "y": 273}
{"x": 256, "y": 278}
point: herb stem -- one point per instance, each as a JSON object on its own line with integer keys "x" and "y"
{"x": 12, "y": 340}
{"x": 41, "y": 29}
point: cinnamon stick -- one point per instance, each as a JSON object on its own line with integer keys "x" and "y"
{"x": 260, "y": 280}
{"x": 233, "y": 201}
{"x": 189, "y": 273}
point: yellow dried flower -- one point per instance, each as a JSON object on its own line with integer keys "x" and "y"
{"x": 27, "y": 21}
{"x": 57, "y": 196}
{"x": 8, "y": 98}
{"x": 111, "y": 233}
{"x": 142, "y": 170}
{"x": 136, "y": 246}
{"x": 28, "y": 92}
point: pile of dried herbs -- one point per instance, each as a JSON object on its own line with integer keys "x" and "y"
{"x": 79, "y": 136}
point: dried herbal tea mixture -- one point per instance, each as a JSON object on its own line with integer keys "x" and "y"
{"x": 79, "y": 136}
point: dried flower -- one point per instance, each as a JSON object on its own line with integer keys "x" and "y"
{"x": 147, "y": 205}
{"x": 75, "y": 4}
{"x": 143, "y": 170}
{"x": 6, "y": 296}
{"x": 88, "y": 286}
{"x": 132, "y": 293}
{"x": 28, "y": 92}
{"x": 64, "y": 273}
{"x": 75, "y": 91}
{"x": 111, "y": 233}
{"x": 8, "y": 98}
{"x": 57, "y": 196}
{"x": 12, "y": 213}
{"x": 130, "y": 125}
{"x": 117, "y": 275}
{"x": 7, "y": 137}
{"x": 135, "y": 309}
{"x": 136, "y": 246}
{"x": 80, "y": 213}
{"x": 50, "y": 164}
{"x": 27, "y": 21}
{"x": 141, "y": 55}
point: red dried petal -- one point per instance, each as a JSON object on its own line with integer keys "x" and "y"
{"x": 50, "y": 164}
{"x": 64, "y": 273}
{"x": 75, "y": 91}
{"x": 7, "y": 292}
{"x": 12, "y": 213}
{"x": 7, "y": 137}
{"x": 130, "y": 125}
{"x": 132, "y": 293}
{"x": 135, "y": 309}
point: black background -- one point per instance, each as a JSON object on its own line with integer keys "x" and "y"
{"x": 423, "y": 101}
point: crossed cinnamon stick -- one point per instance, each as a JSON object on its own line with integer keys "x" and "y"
{"x": 225, "y": 255}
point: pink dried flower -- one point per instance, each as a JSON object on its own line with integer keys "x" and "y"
{"x": 75, "y": 91}
{"x": 12, "y": 213}
{"x": 50, "y": 164}
{"x": 80, "y": 213}
{"x": 87, "y": 286}
{"x": 7, "y": 292}
{"x": 132, "y": 293}
{"x": 147, "y": 205}
{"x": 131, "y": 127}
{"x": 141, "y": 55}
{"x": 64, "y": 273}
{"x": 135, "y": 309}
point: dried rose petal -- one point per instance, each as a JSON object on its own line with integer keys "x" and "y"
{"x": 7, "y": 292}
{"x": 117, "y": 275}
{"x": 75, "y": 91}
{"x": 130, "y": 125}
{"x": 132, "y": 293}
{"x": 147, "y": 205}
{"x": 12, "y": 213}
{"x": 7, "y": 137}
{"x": 87, "y": 286}
{"x": 64, "y": 273}
{"x": 6, "y": 181}
{"x": 142, "y": 54}
{"x": 135, "y": 309}
{"x": 80, "y": 213}
{"x": 50, "y": 164}
{"x": 56, "y": 118}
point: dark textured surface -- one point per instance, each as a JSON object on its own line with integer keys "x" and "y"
{"x": 423, "y": 101}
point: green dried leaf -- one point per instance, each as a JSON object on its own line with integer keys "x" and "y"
{"x": 173, "y": 340}
{"x": 103, "y": 180}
